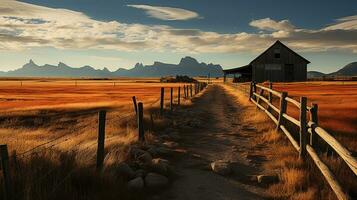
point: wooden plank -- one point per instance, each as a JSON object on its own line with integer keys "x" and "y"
{"x": 266, "y": 111}
{"x": 171, "y": 99}
{"x": 313, "y": 118}
{"x": 337, "y": 146}
{"x": 290, "y": 137}
{"x": 291, "y": 119}
{"x": 293, "y": 101}
{"x": 330, "y": 178}
{"x": 269, "y": 104}
{"x": 276, "y": 93}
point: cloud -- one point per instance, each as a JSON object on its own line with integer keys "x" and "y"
{"x": 25, "y": 26}
{"x": 271, "y": 25}
{"x": 346, "y": 23}
{"x": 167, "y": 13}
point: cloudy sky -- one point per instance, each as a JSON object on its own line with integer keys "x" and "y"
{"x": 115, "y": 33}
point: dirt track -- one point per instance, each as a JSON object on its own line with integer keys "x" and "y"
{"x": 219, "y": 135}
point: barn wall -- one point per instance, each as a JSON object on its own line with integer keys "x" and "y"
{"x": 266, "y": 66}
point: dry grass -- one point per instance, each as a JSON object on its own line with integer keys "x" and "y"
{"x": 64, "y": 118}
{"x": 298, "y": 179}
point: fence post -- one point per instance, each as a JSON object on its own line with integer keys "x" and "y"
{"x": 283, "y": 105}
{"x": 141, "y": 122}
{"x": 251, "y": 90}
{"x": 5, "y": 171}
{"x": 101, "y": 138}
{"x": 303, "y": 132}
{"x": 191, "y": 89}
{"x": 135, "y": 105}
{"x": 178, "y": 95}
{"x": 270, "y": 97}
{"x": 313, "y": 118}
{"x": 260, "y": 94}
{"x": 162, "y": 101}
{"x": 171, "y": 99}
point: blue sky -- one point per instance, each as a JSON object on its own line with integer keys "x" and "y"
{"x": 117, "y": 33}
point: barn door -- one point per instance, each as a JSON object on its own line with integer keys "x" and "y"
{"x": 289, "y": 72}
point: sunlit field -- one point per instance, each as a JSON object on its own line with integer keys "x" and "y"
{"x": 337, "y": 106}
{"x": 51, "y": 128}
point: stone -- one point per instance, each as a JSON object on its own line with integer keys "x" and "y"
{"x": 163, "y": 151}
{"x": 155, "y": 181}
{"x": 145, "y": 158}
{"x": 161, "y": 166}
{"x": 221, "y": 167}
{"x": 267, "y": 179}
{"x": 140, "y": 173}
{"x": 124, "y": 171}
{"x": 136, "y": 184}
{"x": 170, "y": 144}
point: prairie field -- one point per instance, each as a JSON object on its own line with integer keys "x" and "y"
{"x": 337, "y": 104}
{"x": 51, "y": 127}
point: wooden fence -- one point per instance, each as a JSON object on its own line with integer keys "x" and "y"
{"x": 309, "y": 130}
{"x": 5, "y": 167}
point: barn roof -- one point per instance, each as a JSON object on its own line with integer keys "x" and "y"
{"x": 278, "y": 42}
{"x": 242, "y": 70}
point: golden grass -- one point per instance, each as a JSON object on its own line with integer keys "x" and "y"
{"x": 70, "y": 131}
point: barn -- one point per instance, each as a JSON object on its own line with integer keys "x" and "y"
{"x": 276, "y": 64}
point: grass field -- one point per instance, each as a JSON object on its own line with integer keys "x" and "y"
{"x": 337, "y": 106}
{"x": 60, "y": 116}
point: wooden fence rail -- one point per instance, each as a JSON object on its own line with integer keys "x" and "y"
{"x": 307, "y": 130}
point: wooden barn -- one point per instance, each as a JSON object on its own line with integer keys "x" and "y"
{"x": 277, "y": 64}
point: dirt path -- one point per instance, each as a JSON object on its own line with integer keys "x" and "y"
{"x": 219, "y": 135}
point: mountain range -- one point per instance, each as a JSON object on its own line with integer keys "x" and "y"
{"x": 348, "y": 70}
{"x": 187, "y": 66}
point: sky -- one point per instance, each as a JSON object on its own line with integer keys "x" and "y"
{"x": 117, "y": 34}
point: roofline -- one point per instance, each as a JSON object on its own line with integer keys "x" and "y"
{"x": 278, "y": 41}
{"x": 237, "y": 68}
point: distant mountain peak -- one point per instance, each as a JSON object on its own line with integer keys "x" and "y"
{"x": 188, "y": 61}
{"x": 61, "y": 64}
{"x": 31, "y": 63}
{"x": 139, "y": 65}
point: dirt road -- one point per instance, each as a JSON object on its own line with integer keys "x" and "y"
{"x": 217, "y": 135}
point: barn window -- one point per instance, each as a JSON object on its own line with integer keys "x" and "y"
{"x": 277, "y": 53}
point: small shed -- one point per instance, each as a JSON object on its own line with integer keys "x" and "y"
{"x": 277, "y": 64}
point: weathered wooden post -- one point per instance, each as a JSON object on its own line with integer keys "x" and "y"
{"x": 184, "y": 91}
{"x": 251, "y": 90}
{"x": 191, "y": 90}
{"x": 135, "y": 105}
{"x": 283, "y": 105}
{"x": 5, "y": 172}
{"x": 270, "y": 97}
{"x": 141, "y": 122}
{"x": 101, "y": 138}
{"x": 152, "y": 121}
{"x": 314, "y": 119}
{"x": 258, "y": 97}
{"x": 162, "y": 101}
{"x": 303, "y": 129}
{"x": 178, "y": 95}
{"x": 171, "y": 99}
